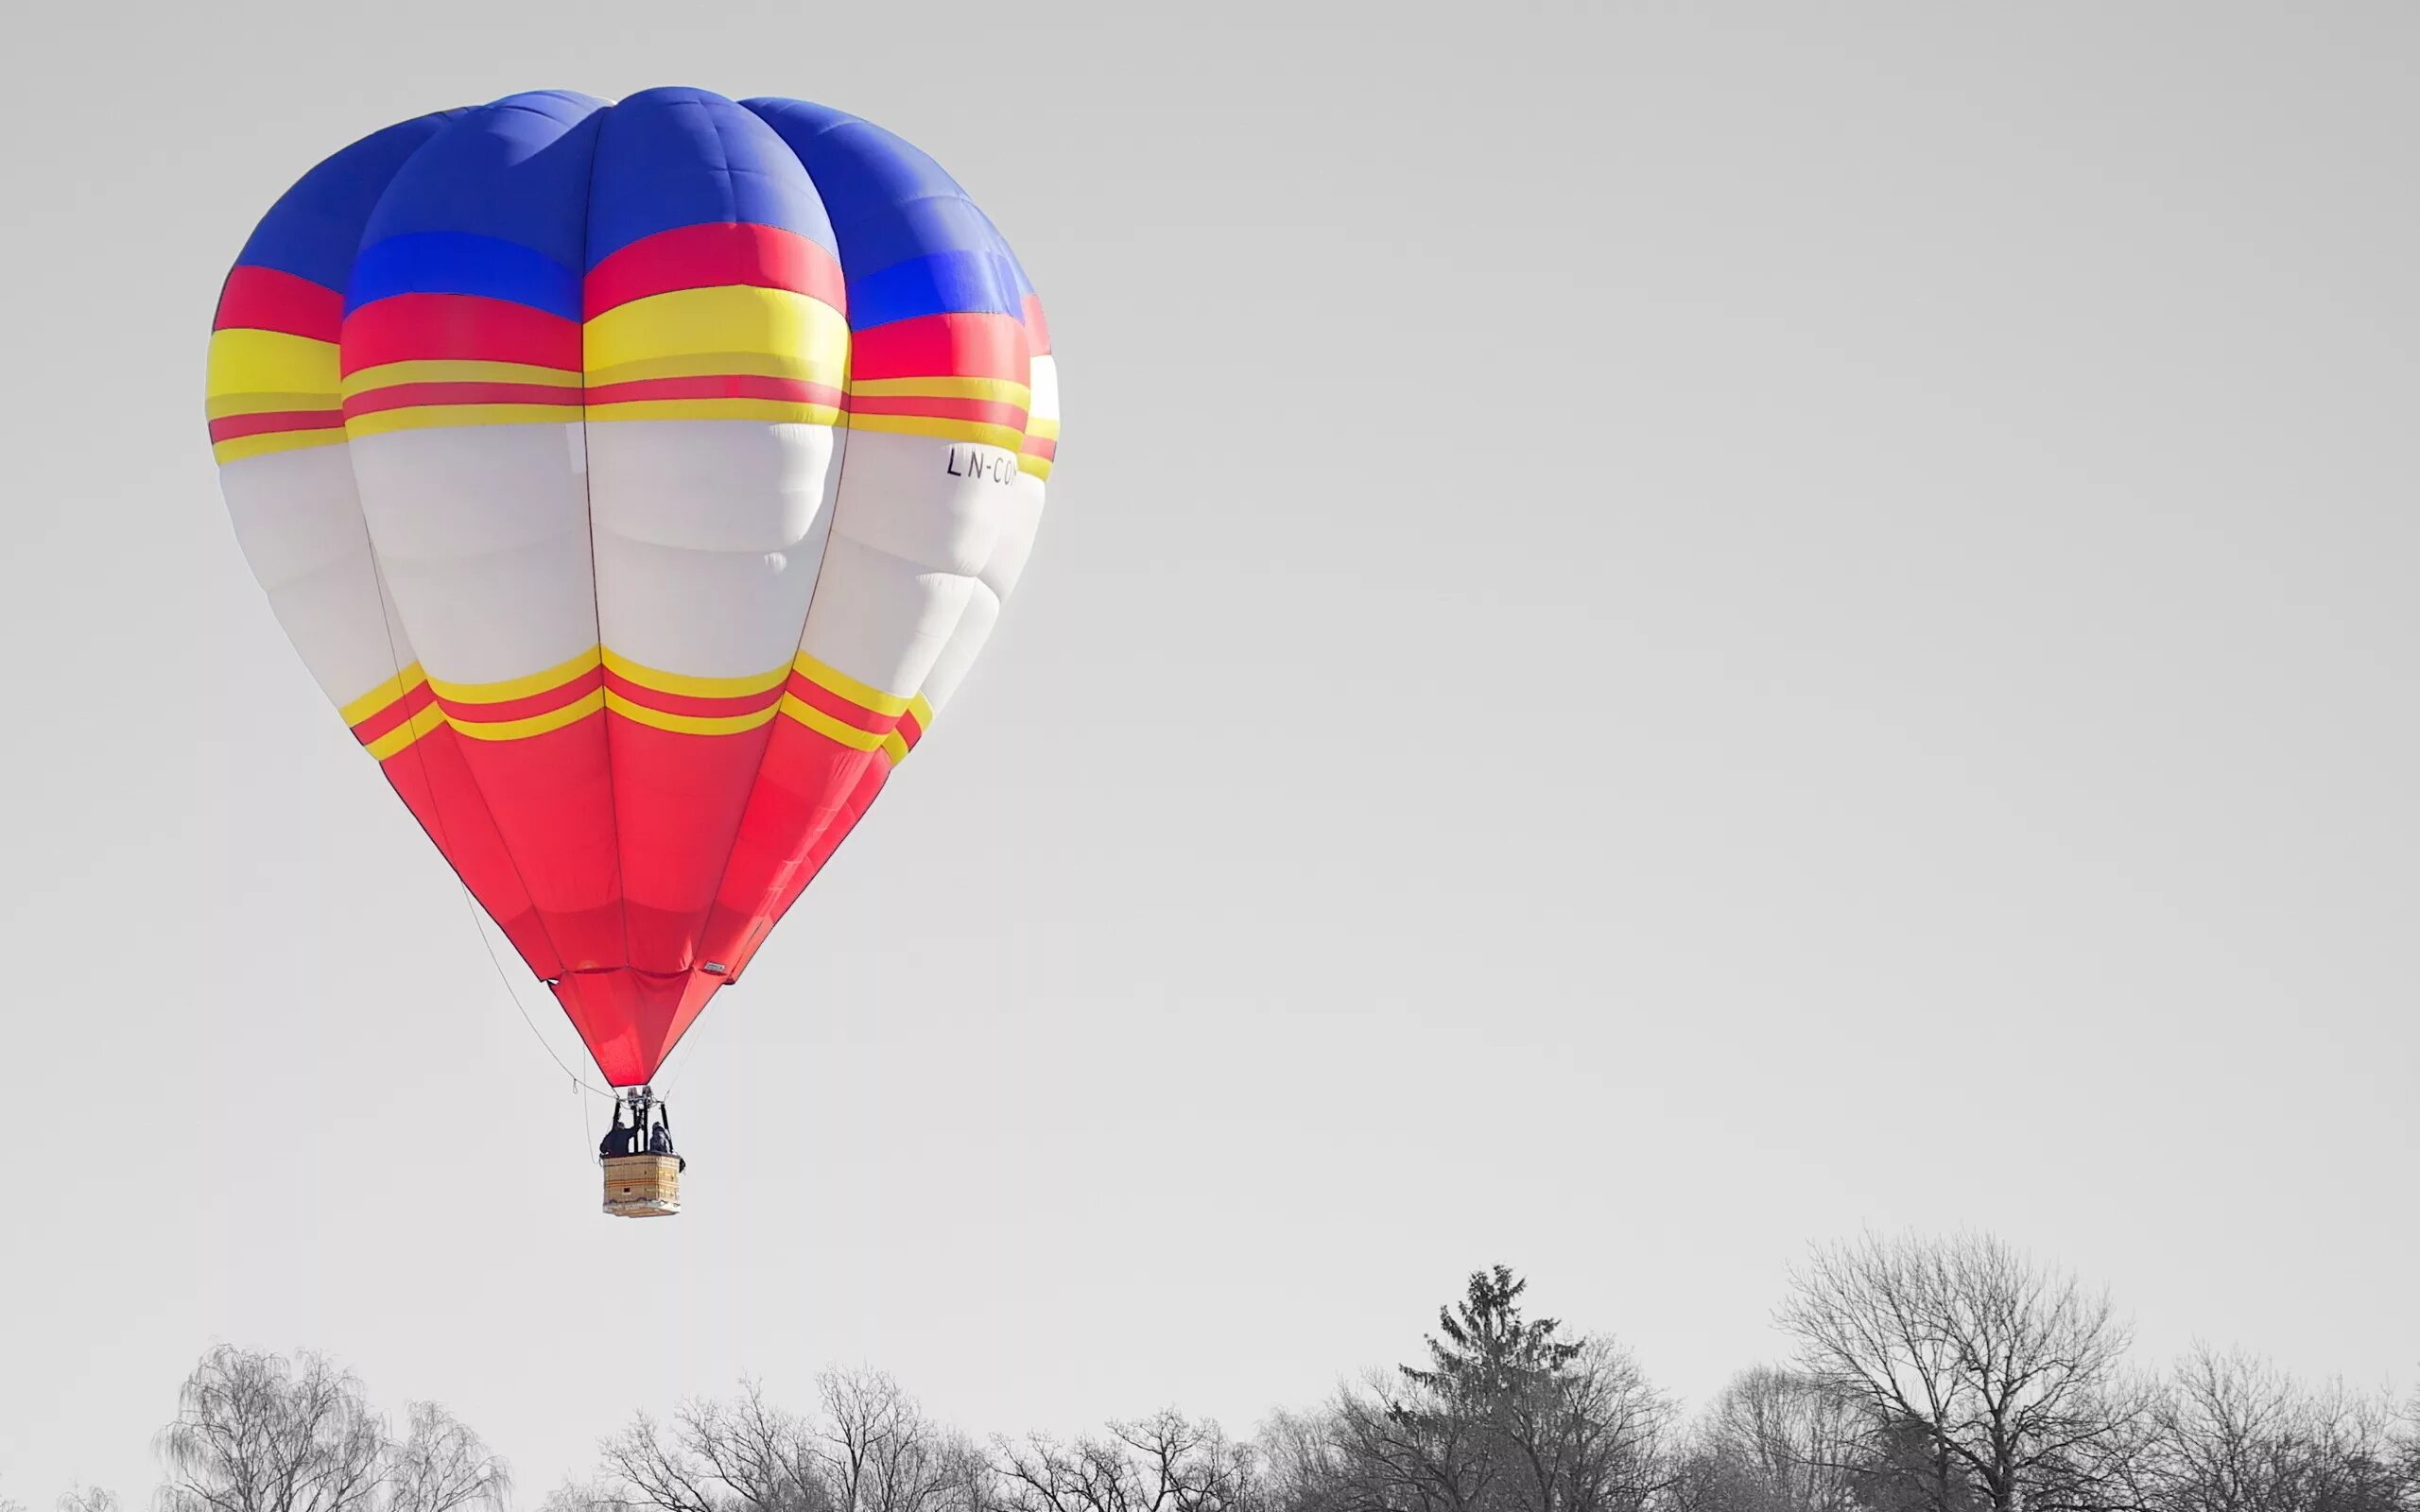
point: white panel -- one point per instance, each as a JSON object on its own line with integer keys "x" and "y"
{"x": 1011, "y": 550}
{"x": 1014, "y": 546}
{"x": 928, "y": 500}
{"x": 882, "y": 619}
{"x": 1043, "y": 378}
{"x": 965, "y": 643}
{"x": 708, "y": 537}
{"x": 915, "y": 521}
{"x": 298, "y": 523}
{"x": 482, "y": 533}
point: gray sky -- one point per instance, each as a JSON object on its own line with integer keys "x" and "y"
{"x": 1662, "y": 631}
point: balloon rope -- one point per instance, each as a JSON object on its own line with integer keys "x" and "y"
{"x": 595, "y": 1148}
{"x": 479, "y": 924}
{"x": 596, "y": 1155}
{"x": 445, "y": 848}
{"x": 683, "y": 1053}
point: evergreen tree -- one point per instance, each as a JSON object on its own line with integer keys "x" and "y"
{"x": 1490, "y": 1353}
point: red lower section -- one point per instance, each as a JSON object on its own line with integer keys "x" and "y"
{"x": 431, "y": 777}
{"x": 551, "y": 796}
{"x": 817, "y": 850}
{"x": 678, "y": 801}
{"x": 637, "y": 869}
{"x": 806, "y": 799}
{"x": 631, "y": 1020}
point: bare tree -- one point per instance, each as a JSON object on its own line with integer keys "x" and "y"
{"x": 256, "y": 1434}
{"x": 743, "y": 1455}
{"x": 2238, "y": 1436}
{"x": 1777, "y": 1440}
{"x": 1164, "y": 1463}
{"x": 2408, "y": 1431}
{"x": 2007, "y": 1378}
{"x": 1592, "y": 1435}
{"x": 2229, "y": 1438}
{"x": 441, "y": 1465}
{"x": 576, "y": 1495}
{"x": 2355, "y": 1463}
{"x": 883, "y": 1455}
{"x": 1304, "y": 1466}
{"x": 872, "y": 1449}
{"x": 1400, "y": 1456}
{"x": 88, "y": 1499}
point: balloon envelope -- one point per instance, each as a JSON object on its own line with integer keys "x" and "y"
{"x": 637, "y": 480}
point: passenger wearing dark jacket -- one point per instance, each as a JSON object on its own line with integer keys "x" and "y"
{"x": 659, "y": 1141}
{"x": 621, "y": 1139}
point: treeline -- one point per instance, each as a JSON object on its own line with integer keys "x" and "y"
{"x": 1925, "y": 1376}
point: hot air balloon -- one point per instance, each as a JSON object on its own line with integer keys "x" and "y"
{"x": 639, "y": 480}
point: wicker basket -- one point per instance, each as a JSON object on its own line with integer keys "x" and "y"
{"x": 642, "y": 1186}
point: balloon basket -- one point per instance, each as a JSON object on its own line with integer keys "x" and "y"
{"x": 642, "y": 1186}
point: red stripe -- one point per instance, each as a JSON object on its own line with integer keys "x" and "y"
{"x": 712, "y": 256}
{"x": 847, "y": 711}
{"x": 228, "y": 427}
{"x": 405, "y": 396}
{"x": 394, "y": 714}
{"x": 264, "y": 298}
{"x": 683, "y": 703}
{"x": 717, "y": 385}
{"x": 536, "y": 703}
{"x": 954, "y": 346}
{"x": 410, "y": 327}
{"x": 1040, "y": 446}
{"x": 909, "y": 730}
{"x": 1037, "y": 329}
{"x": 991, "y": 411}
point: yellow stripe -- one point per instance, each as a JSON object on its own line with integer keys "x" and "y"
{"x": 732, "y": 317}
{"x": 683, "y": 684}
{"x": 924, "y": 712}
{"x": 489, "y": 693}
{"x": 421, "y": 417}
{"x": 220, "y": 407}
{"x": 1005, "y": 437}
{"x": 383, "y": 694}
{"x": 244, "y": 446}
{"x": 1042, "y": 427}
{"x": 1002, "y": 390}
{"x": 820, "y": 367}
{"x": 1034, "y": 467}
{"x": 270, "y": 362}
{"x": 895, "y": 746}
{"x": 454, "y": 370}
{"x": 534, "y": 725}
{"x": 864, "y": 695}
{"x": 823, "y": 724}
{"x": 690, "y": 724}
{"x": 504, "y": 692}
{"x": 405, "y": 733}
{"x": 766, "y": 409}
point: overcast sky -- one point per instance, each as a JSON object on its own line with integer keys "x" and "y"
{"x": 1662, "y": 631}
